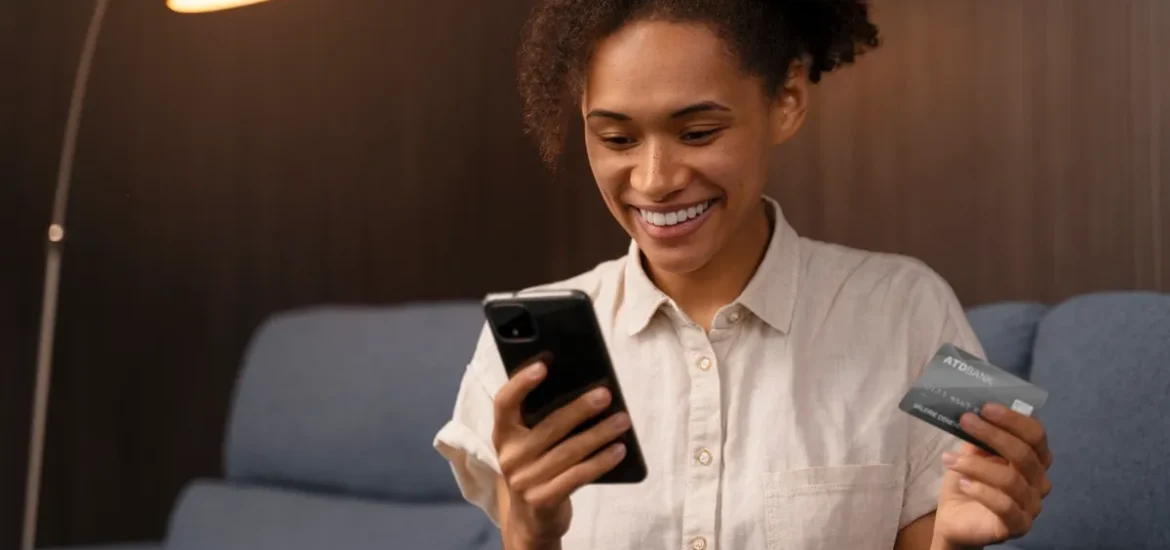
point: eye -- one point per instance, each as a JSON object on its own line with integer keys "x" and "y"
{"x": 617, "y": 142}
{"x": 700, "y": 137}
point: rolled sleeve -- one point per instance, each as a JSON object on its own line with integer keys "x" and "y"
{"x": 927, "y": 443}
{"x": 465, "y": 441}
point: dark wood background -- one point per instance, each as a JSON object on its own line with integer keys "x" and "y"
{"x": 302, "y": 151}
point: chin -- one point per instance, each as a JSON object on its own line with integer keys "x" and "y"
{"x": 682, "y": 259}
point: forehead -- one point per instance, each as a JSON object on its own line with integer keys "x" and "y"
{"x": 654, "y": 65}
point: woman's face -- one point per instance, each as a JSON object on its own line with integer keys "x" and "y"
{"x": 679, "y": 138}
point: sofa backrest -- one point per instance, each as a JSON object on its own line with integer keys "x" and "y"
{"x": 348, "y": 399}
{"x": 1105, "y": 360}
{"x": 1007, "y": 331}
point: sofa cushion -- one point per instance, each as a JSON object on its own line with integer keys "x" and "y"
{"x": 1007, "y": 331}
{"x": 348, "y": 399}
{"x": 1105, "y": 359}
{"x": 220, "y": 516}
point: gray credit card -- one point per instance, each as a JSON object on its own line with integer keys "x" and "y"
{"x": 956, "y": 382}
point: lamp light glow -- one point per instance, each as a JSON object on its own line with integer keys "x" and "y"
{"x": 200, "y": 6}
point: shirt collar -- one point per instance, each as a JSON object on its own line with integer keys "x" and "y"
{"x": 642, "y": 297}
{"x": 769, "y": 295}
{"x": 771, "y": 292}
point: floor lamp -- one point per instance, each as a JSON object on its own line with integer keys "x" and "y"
{"x": 56, "y": 241}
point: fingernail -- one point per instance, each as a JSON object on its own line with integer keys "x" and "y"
{"x": 993, "y": 410}
{"x": 618, "y": 450}
{"x": 598, "y": 397}
{"x": 620, "y": 421}
{"x": 536, "y": 371}
{"x": 970, "y": 421}
{"x": 964, "y": 483}
{"x": 949, "y": 459}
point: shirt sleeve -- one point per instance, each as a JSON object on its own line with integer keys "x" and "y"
{"x": 466, "y": 440}
{"x": 938, "y": 319}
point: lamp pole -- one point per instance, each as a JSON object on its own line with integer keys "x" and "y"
{"x": 55, "y": 246}
{"x": 56, "y": 242}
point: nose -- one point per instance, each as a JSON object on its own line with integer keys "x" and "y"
{"x": 657, "y": 176}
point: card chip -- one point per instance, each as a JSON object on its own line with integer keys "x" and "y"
{"x": 1022, "y": 408}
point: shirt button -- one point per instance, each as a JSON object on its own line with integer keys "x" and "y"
{"x": 734, "y": 317}
{"x": 704, "y": 457}
{"x": 704, "y": 364}
{"x": 698, "y": 543}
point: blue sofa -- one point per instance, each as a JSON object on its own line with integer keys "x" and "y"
{"x": 328, "y": 445}
{"x": 1105, "y": 360}
{"x": 329, "y": 442}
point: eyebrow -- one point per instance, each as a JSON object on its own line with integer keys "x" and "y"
{"x": 702, "y": 106}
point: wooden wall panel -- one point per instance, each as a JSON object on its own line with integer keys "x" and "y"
{"x": 1160, "y": 147}
{"x": 305, "y": 151}
{"x": 1021, "y": 160}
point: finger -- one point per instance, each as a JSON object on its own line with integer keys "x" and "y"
{"x": 572, "y": 451}
{"x": 557, "y": 425}
{"x": 1027, "y": 429}
{"x": 969, "y": 449}
{"x": 1017, "y": 521}
{"x": 1015, "y": 450}
{"x": 559, "y": 489}
{"x": 998, "y": 475}
{"x": 564, "y": 420}
{"x": 508, "y": 399}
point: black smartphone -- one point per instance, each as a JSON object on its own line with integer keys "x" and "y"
{"x": 560, "y": 328}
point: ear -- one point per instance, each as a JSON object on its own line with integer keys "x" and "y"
{"x": 789, "y": 106}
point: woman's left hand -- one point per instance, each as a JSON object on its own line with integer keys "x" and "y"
{"x": 987, "y": 499}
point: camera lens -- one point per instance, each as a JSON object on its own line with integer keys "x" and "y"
{"x": 512, "y": 322}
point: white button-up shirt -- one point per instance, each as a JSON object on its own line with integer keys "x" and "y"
{"x": 778, "y": 429}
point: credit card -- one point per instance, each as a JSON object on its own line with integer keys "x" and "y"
{"x": 956, "y": 381}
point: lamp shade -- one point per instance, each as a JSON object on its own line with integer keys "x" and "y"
{"x": 198, "y": 6}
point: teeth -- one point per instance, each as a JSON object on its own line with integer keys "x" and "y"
{"x": 674, "y": 218}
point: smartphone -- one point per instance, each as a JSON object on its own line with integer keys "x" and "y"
{"x": 560, "y": 328}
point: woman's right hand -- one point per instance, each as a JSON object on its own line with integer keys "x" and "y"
{"x": 539, "y": 473}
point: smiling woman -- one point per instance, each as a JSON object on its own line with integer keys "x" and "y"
{"x": 695, "y": 130}
{"x": 763, "y": 369}
{"x": 683, "y": 103}
{"x": 682, "y": 92}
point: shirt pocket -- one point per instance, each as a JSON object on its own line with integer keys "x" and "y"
{"x": 835, "y": 507}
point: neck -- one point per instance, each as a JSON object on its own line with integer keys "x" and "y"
{"x": 702, "y": 292}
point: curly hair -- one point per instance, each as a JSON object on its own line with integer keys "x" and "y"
{"x": 765, "y": 35}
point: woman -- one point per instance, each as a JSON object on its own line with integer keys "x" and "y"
{"x": 763, "y": 370}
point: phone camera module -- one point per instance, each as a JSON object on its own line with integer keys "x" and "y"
{"x": 513, "y": 322}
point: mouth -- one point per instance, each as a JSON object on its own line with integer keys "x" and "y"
{"x": 674, "y": 223}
